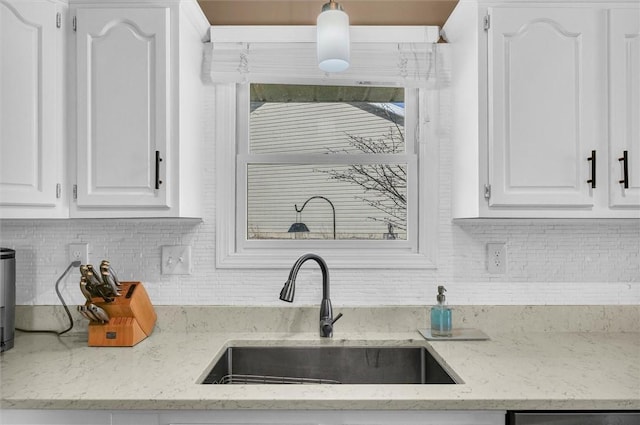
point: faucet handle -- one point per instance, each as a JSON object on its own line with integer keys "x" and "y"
{"x": 326, "y": 326}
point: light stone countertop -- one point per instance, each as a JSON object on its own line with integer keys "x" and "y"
{"x": 514, "y": 370}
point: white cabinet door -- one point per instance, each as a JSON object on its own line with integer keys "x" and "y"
{"x": 54, "y": 417}
{"x": 545, "y": 105}
{"x": 30, "y": 106}
{"x": 624, "y": 107}
{"x": 123, "y": 117}
{"x": 309, "y": 417}
{"x": 250, "y": 417}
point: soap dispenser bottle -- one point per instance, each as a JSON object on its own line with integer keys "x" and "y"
{"x": 441, "y": 316}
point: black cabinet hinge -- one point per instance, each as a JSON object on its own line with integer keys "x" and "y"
{"x": 487, "y": 191}
{"x": 58, "y": 20}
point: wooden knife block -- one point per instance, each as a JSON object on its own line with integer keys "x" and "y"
{"x": 131, "y": 318}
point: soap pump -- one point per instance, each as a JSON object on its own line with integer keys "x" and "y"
{"x": 441, "y": 315}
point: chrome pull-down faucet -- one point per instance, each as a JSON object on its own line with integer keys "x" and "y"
{"x": 326, "y": 311}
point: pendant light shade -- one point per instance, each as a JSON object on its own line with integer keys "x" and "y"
{"x": 333, "y": 38}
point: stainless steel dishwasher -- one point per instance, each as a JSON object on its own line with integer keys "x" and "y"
{"x": 631, "y": 417}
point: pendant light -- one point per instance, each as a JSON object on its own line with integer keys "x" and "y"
{"x": 333, "y": 38}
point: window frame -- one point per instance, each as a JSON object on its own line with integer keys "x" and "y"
{"x": 234, "y": 250}
{"x": 244, "y": 157}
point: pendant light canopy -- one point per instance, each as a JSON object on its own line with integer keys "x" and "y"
{"x": 333, "y": 38}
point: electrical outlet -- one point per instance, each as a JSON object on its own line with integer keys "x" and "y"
{"x": 176, "y": 259}
{"x": 79, "y": 251}
{"x": 497, "y": 258}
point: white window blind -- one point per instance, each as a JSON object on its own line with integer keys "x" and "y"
{"x": 403, "y": 56}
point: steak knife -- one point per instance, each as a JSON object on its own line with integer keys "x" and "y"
{"x": 106, "y": 265}
{"x": 108, "y": 278}
{"x": 83, "y": 288}
{"x": 87, "y": 313}
{"x": 83, "y": 312}
{"x": 105, "y": 291}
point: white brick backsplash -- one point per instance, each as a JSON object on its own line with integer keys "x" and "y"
{"x": 560, "y": 261}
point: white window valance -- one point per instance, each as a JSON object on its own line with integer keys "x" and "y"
{"x": 287, "y": 54}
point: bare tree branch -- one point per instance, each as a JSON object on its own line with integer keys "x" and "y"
{"x": 384, "y": 185}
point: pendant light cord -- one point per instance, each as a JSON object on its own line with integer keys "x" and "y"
{"x": 73, "y": 264}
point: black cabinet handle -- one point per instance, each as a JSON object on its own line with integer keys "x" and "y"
{"x": 158, "y": 161}
{"x": 592, "y": 180}
{"x": 625, "y": 169}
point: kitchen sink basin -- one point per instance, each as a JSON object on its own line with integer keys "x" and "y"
{"x": 328, "y": 365}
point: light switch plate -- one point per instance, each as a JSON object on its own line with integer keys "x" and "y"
{"x": 176, "y": 259}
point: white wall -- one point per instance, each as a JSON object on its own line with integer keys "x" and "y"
{"x": 549, "y": 261}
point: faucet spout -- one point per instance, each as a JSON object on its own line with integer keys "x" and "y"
{"x": 326, "y": 311}
{"x": 288, "y": 291}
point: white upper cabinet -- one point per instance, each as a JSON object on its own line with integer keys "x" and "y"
{"x": 118, "y": 121}
{"x": 544, "y": 113}
{"x": 31, "y": 109}
{"x": 139, "y": 112}
{"x": 534, "y": 135}
{"x": 123, "y": 83}
{"x": 624, "y": 107}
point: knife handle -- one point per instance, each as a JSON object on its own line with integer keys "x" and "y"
{"x": 84, "y": 313}
{"x": 158, "y": 161}
{"x": 83, "y": 289}
{"x": 100, "y": 314}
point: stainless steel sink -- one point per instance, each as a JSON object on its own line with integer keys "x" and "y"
{"x": 328, "y": 365}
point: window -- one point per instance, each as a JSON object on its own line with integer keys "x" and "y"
{"x": 326, "y": 162}
{"x": 348, "y": 171}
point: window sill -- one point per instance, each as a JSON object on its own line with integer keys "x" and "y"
{"x": 339, "y": 258}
